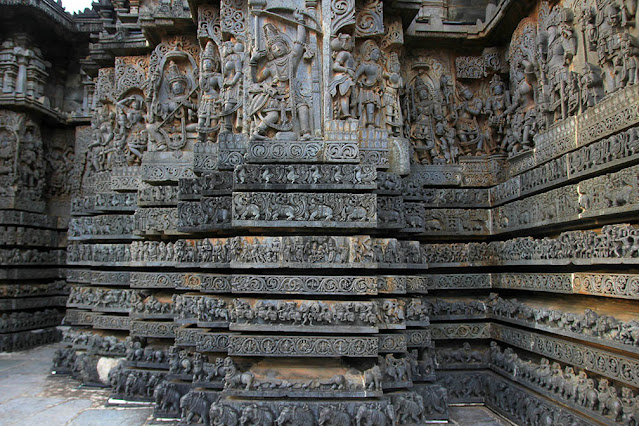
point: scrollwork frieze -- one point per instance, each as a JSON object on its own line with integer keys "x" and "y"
{"x": 306, "y": 346}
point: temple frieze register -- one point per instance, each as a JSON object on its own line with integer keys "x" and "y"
{"x": 333, "y": 212}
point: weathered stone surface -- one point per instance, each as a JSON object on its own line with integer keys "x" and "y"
{"x": 301, "y": 213}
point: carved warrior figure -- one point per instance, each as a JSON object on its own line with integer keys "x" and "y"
{"x": 277, "y": 103}
{"x": 557, "y": 46}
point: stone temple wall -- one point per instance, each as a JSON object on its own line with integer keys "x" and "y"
{"x": 38, "y": 175}
{"x": 344, "y": 212}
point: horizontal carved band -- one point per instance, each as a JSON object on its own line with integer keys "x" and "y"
{"x": 210, "y": 184}
{"x": 284, "y": 152}
{"x": 101, "y": 227}
{"x": 443, "y": 331}
{"x": 157, "y": 195}
{"x": 209, "y": 213}
{"x": 164, "y": 167}
{"x": 27, "y": 237}
{"x": 614, "y": 366}
{"x": 104, "y": 202}
{"x": 32, "y": 303}
{"x": 262, "y": 252}
{"x": 15, "y": 290}
{"x": 153, "y": 329}
{"x": 111, "y": 322}
{"x": 304, "y": 209}
{"x": 303, "y": 284}
{"x": 22, "y": 218}
{"x": 27, "y": 339}
{"x": 302, "y": 177}
{"x": 306, "y": 346}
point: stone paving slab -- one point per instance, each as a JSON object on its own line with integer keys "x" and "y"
{"x": 31, "y": 396}
{"x": 476, "y": 415}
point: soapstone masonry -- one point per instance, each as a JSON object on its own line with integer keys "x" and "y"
{"x": 327, "y": 212}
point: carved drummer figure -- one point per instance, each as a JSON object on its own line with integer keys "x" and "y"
{"x": 369, "y": 77}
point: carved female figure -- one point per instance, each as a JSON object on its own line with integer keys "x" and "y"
{"x": 343, "y": 72}
{"x": 394, "y": 84}
{"x": 210, "y": 85}
{"x": 276, "y": 101}
{"x": 130, "y": 127}
{"x": 369, "y": 76}
{"x": 468, "y": 109}
{"x": 232, "y": 59}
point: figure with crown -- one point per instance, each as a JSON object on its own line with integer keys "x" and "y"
{"x": 232, "y": 64}
{"x": 210, "y": 101}
{"x": 171, "y": 106}
{"x": 276, "y": 101}
{"x": 496, "y": 107}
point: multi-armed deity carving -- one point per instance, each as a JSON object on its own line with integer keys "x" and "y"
{"x": 172, "y": 116}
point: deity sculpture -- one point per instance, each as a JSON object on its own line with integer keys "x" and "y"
{"x": 562, "y": 47}
{"x": 31, "y": 171}
{"x": 276, "y": 97}
{"x": 630, "y": 55}
{"x": 591, "y": 86}
{"x": 496, "y": 107}
{"x": 421, "y": 126}
{"x": 174, "y": 107}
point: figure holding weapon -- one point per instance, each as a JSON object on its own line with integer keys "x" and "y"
{"x": 276, "y": 101}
